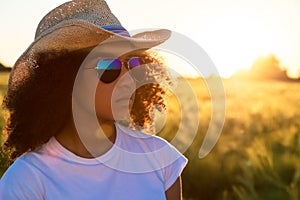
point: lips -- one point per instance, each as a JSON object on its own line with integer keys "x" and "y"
{"x": 124, "y": 100}
{"x": 121, "y": 108}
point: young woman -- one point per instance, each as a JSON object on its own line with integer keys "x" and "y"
{"x": 77, "y": 98}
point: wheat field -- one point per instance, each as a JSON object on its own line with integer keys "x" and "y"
{"x": 258, "y": 153}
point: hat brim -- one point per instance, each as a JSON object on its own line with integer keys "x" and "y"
{"x": 78, "y": 34}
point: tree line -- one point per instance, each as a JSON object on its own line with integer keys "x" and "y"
{"x": 4, "y": 68}
{"x": 265, "y": 68}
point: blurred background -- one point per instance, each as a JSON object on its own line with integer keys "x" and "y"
{"x": 256, "y": 49}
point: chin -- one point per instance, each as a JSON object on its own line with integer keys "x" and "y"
{"x": 121, "y": 116}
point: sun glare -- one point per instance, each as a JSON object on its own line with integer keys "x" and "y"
{"x": 236, "y": 42}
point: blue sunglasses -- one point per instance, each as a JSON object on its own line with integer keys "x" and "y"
{"x": 110, "y": 69}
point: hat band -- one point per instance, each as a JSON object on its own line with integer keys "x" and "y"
{"x": 120, "y": 30}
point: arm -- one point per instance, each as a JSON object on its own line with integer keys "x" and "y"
{"x": 175, "y": 191}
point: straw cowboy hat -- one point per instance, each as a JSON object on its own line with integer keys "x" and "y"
{"x": 75, "y": 25}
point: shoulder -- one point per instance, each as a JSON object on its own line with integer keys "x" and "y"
{"x": 146, "y": 147}
{"x": 142, "y": 141}
{"x": 21, "y": 180}
{"x": 22, "y": 167}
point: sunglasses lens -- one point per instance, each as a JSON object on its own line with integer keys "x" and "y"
{"x": 109, "y": 70}
{"x": 137, "y": 72}
{"x": 134, "y": 62}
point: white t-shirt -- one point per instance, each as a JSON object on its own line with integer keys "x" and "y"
{"x": 138, "y": 166}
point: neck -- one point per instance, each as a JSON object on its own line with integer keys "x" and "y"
{"x": 89, "y": 142}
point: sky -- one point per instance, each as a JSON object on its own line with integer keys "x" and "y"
{"x": 233, "y": 33}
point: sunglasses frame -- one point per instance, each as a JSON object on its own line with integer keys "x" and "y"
{"x": 109, "y": 68}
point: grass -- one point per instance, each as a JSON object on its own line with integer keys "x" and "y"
{"x": 4, "y": 161}
{"x": 258, "y": 153}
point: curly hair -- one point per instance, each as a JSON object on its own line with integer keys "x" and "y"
{"x": 41, "y": 106}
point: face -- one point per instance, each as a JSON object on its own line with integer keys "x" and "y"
{"x": 114, "y": 100}
{"x": 109, "y": 100}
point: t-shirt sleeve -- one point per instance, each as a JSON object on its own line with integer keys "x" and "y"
{"x": 20, "y": 182}
{"x": 173, "y": 171}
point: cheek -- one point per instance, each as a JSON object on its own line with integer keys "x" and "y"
{"x": 103, "y": 100}
{"x": 84, "y": 91}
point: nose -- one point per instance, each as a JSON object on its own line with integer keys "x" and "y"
{"x": 125, "y": 80}
{"x": 125, "y": 86}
